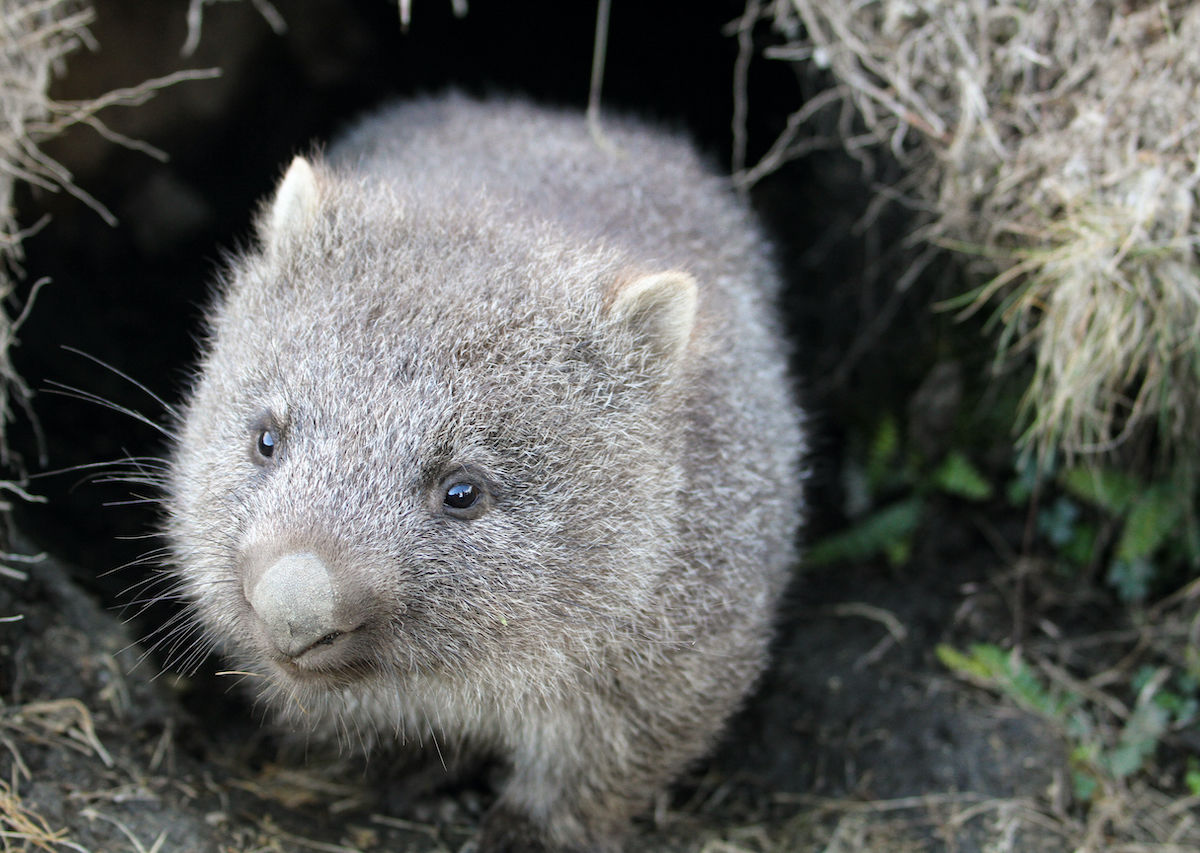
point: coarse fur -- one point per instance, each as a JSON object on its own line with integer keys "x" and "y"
{"x": 477, "y": 292}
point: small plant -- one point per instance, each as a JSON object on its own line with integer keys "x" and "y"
{"x": 1106, "y": 748}
{"x": 1192, "y": 777}
{"x": 889, "y": 494}
{"x": 1142, "y": 531}
{"x": 1006, "y": 672}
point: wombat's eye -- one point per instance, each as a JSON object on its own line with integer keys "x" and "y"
{"x": 464, "y": 494}
{"x": 266, "y": 440}
{"x": 266, "y": 443}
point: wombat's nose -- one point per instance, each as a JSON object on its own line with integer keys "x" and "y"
{"x": 295, "y": 597}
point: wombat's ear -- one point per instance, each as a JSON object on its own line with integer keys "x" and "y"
{"x": 294, "y": 207}
{"x": 659, "y": 308}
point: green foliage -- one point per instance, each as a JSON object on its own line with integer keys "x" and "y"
{"x": 1110, "y": 490}
{"x": 1101, "y": 752}
{"x": 886, "y": 531}
{"x": 1138, "y": 740}
{"x": 958, "y": 476}
{"x": 1154, "y": 523}
{"x": 885, "y": 527}
{"x": 1138, "y": 533}
{"x": 883, "y": 454}
{"x": 1192, "y": 778}
{"x": 1155, "y": 514}
{"x": 1006, "y": 672}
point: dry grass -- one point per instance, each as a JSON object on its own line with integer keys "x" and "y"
{"x": 1055, "y": 141}
{"x": 62, "y": 724}
{"x": 936, "y": 821}
{"x": 195, "y": 20}
{"x": 24, "y": 829}
{"x": 36, "y": 36}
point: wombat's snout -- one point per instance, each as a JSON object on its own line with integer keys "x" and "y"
{"x": 297, "y": 601}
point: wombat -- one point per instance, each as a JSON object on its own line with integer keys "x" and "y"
{"x": 492, "y": 444}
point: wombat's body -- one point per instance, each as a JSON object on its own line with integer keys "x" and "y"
{"x": 493, "y": 444}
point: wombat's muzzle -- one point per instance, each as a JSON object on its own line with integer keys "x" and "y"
{"x": 297, "y": 601}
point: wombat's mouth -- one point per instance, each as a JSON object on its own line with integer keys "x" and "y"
{"x": 328, "y": 639}
{"x": 320, "y": 674}
{"x": 337, "y": 656}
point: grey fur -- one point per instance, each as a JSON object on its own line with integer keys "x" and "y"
{"x": 478, "y": 292}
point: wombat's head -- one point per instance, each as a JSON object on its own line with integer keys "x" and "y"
{"x": 427, "y": 440}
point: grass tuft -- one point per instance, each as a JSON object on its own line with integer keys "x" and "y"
{"x": 1055, "y": 140}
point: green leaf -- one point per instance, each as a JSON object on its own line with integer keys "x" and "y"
{"x": 1156, "y": 515}
{"x": 991, "y": 666}
{"x": 878, "y": 533}
{"x": 958, "y": 476}
{"x": 1112, "y": 491}
{"x": 965, "y": 666}
{"x": 1025, "y": 482}
{"x": 1138, "y": 740}
{"x": 1131, "y": 579}
{"x": 882, "y": 455}
{"x": 1057, "y": 521}
{"x": 1084, "y": 785}
{"x": 899, "y": 552}
{"x": 1080, "y": 550}
{"x": 1142, "y": 676}
{"x": 1192, "y": 777}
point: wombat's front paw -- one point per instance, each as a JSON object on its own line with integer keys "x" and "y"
{"x": 507, "y": 831}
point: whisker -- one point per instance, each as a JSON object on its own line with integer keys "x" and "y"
{"x": 63, "y": 390}
{"x": 155, "y": 483}
{"x": 134, "y": 501}
{"x": 167, "y": 630}
{"x": 147, "y": 461}
{"x": 183, "y": 650}
{"x": 198, "y": 650}
{"x": 150, "y": 591}
{"x": 166, "y": 407}
{"x": 138, "y": 537}
{"x": 137, "y": 607}
{"x": 156, "y": 577}
{"x": 153, "y": 557}
{"x": 239, "y": 672}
